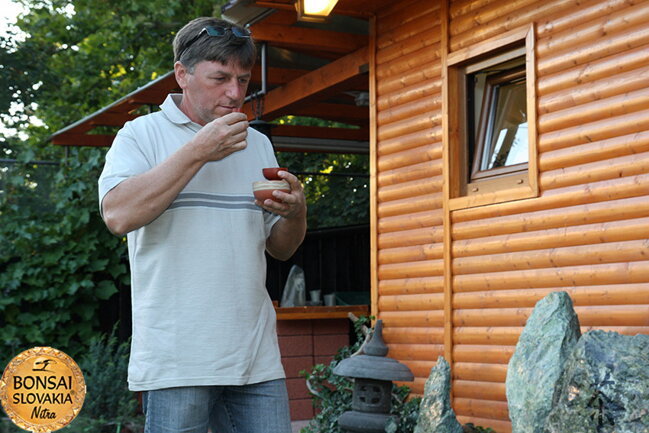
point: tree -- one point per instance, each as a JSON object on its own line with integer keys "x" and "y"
{"x": 57, "y": 260}
{"x": 79, "y": 56}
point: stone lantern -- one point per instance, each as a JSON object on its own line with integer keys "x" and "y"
{"x": 373, "y": 374}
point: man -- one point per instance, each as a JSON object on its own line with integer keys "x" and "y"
{"x": 179, "y": 183}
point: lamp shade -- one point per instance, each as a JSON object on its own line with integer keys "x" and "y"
{"x": 314, "y": 10}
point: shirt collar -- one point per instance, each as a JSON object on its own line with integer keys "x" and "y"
{"x": 170, "y": 108}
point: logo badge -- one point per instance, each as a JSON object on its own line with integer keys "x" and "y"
{"x": 42, "y": 390}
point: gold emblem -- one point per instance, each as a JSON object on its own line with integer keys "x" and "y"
{"x": 42, "y": 390}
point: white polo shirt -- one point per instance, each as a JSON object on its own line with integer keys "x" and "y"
{"x": 201, "y": 312}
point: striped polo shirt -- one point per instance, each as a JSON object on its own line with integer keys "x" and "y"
{"x": 201, "y": 312}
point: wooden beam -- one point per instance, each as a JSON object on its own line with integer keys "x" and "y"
{"x": 316, "y": 82}
{"x": 330, "y": 95}
{"x": 95, "y": 140}
{"x": 336, "y": 312}
{"x": 286, "y": 16}
{"x": 374, "y": 202}
{"x": 111, "y": 119}
{"x": 276, "y": 4}
{"x": 344, "y": 113}
{"x": 360, "y": 9}
{"x": 149, "y": 96}
{"x": 347, "y": 113}
{"x": 80, "y": 129}
{"x": 309, "y": 38}
{"x": 320, "y": 132}
{"x": 449, "y": 119}
{"x": 277, "y": 76}
{"x": 99, "y": 140}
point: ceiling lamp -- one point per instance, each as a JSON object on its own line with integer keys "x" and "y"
{"x": 314, "y": 10}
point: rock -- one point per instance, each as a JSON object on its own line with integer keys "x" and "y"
{"x": 604, "y": 387}
{"x": 545, "y": 344}
{"x": 435, "y": 412}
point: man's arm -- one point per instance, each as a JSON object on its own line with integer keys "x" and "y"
{"x": 288, "y": 233}
{"x": 140, "y": 199}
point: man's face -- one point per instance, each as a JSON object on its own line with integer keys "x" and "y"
{"x": 212, "y": 90}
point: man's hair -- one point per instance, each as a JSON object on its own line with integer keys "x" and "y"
{"x": 223, "y": 49}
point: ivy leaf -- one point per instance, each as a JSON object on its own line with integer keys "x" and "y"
{"x": 98, "y": 265}
{"x": 72, "y": 288}
{"x": 105, "y": 289}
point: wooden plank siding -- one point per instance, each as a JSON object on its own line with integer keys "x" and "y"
{"x": 410, "y": 184}
{"x": 586, "y": 233}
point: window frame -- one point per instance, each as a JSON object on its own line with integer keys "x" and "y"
{"x": 515, "y": 182}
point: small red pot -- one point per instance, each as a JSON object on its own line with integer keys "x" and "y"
{"x": 270, "y": 173}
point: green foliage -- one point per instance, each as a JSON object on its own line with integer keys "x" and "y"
{"x": 105, "y": 368}
{"x": 332, "y": 394}
{"x": 78, "y": 56}
{"x": 58, "y": 261}
{"x": 332, "y": 201}
{"x": 108, "y": 402}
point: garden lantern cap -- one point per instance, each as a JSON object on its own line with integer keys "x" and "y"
{"x": 314, "y": 10}
{"x": 373, "y": 364}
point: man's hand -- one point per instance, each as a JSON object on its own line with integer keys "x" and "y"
{"x": 293, "y": 203}
{"x": 288, "y": 233}
{"x": 221, "y": 137}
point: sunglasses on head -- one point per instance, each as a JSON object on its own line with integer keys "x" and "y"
{"x": 217, "y": 31}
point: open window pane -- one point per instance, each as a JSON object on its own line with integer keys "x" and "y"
{"x": 500, "y": 135}
{"x": 507, "y": 137}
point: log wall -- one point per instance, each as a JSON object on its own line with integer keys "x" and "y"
{"x": 586, "y": 232}
{"x": 409, "y": 183}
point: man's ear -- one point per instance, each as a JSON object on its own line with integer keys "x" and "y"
{"x": 181, "y": 72}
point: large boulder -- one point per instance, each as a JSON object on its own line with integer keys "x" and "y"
{"x": 544, "y": 346}
{"x": 604, "y": 387}
{"x": 435, "y": 412}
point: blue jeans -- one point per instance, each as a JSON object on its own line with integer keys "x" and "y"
{"x": 256, "y": 408}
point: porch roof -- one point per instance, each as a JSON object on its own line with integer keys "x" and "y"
{"x": 311, "y": 69}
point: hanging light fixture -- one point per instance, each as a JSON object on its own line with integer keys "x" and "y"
{"x": 314, "y": 10}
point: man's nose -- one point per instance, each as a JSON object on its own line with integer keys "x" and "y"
{"x": 234, "y": 90}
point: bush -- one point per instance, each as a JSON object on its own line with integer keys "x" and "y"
{"x": 58, "y": 261}
{"x": 109, "y": 405}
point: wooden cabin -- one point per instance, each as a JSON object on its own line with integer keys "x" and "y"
{"x": 509, "y": 147}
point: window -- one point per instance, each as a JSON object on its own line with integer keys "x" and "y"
{"x": 492, "y": 156}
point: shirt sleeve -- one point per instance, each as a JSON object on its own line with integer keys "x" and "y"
{"x": 124, "y": 159}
